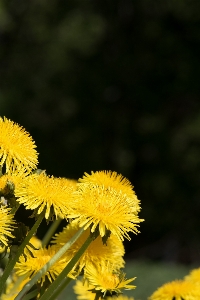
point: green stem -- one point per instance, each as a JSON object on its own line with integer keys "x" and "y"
{"x": 53, "y": 287}
{"x": 60, "y": 288}
{"x": 31, "y": 295}
{"x": 46, "y": 267}
{"x": 15, "y": 208}
{"x": 50, "y": 232}
{"x": 13, "y": 260}
{"x": 97, "y": 296}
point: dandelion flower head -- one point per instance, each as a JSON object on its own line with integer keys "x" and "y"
{"x": 45, "y": 192}
{"x": 106, "y": 200}
{"x": 14, "y": 287}
{"x": 6, "y": 224}
{"x": 112, "y": 251}
{"x": 83, "y": 290}
{"x": 177, "y": 290}
{"x": 15, "y": 177}
{"x": 35, "y": 260}
{"x": 17, "y": 147}
{"x": 194, "y": 276}
{"x": 105, "y": 279}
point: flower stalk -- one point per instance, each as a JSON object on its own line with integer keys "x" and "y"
{"x": 51, "y": 291}
{"x": 13, "y": 260}
{"x": 50, "y": 232}
{"x": 47, "y": 266}
{"x": 61, "y": 287}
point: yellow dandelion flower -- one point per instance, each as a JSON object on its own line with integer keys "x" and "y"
{"x": 109, "y": 180}
{"x": 112, "y": 252}
{"x": 33, "y": 262}
{"x": 106, "y": 279}
{"x": 83, "y": 290}
{"x": 13, "y": 288}
{"x": 177, "y": 290}
{"x": 17, "y": 147}
{"x": 106, "y": 200}
{"x": 44, "y": 192}
{"x": 15, "y": 177}
{"x": 194, "y": 276}
{"x": 6, "y": 224}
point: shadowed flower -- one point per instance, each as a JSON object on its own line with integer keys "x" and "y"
{"x": 106, "y": 200}
{"x": 14, "y": 287}
{"x": 194, "y": 276}
{"x": 177, "y": 290}
{"x": 17, "y": 147}
{"x": 43, "y": 192}
{"x": 6, "y": 224}
{"x": 13, "y": 177}
{"x": 106, "y": 279}
{"x": 112, "y": 252}
{"x": 33, "y": 262}
{"x": 83, "y": 291}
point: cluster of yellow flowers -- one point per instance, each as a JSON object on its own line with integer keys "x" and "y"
{"x": 101, "y": 209}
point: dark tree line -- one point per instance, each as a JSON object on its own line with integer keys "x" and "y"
{"x": 113, "y": 85}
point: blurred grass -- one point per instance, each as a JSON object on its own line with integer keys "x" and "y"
{"x": 150, "y": 276}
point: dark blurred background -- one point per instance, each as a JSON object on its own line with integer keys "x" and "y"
{"x": 113, "y": 85}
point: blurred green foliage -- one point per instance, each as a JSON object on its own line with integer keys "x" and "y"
{"x": 113, "y": 85}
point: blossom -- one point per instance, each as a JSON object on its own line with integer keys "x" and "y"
{"x": 177, "y": 290}
{"x": 32, "y": 262}
{"x": 6, "y": 224}
{"x": 83, "y": 291}
{"x": 106, "y": 279}
{"x": 17, "y": 147}
{"x": 14, "y": 287}
{"x": 112, "y": 251}
{"x": 194, "y": 276}
{"x": 106, "y": 200}
{"x": 44, "y": 192}
{"x": 14, "y": 177}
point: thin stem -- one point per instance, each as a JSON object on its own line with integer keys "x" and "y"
{"x": 50, "y": 291}
{"x": 97, "y": 296}
{"x": 15, "y": 208}
{"x": 61, "y": 287}
{"x": 31, "y": 295}
{"x": 13, "y": 260}
{"x": 50, "y": 232}
{"x": 46, "y": 267}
